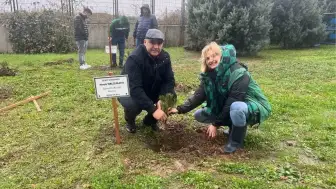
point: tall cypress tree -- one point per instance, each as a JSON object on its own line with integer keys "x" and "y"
{"x": 297, "y": 23}
{"x": 243, "y": 23}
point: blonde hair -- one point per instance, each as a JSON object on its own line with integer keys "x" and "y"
{"x": 213, "y": 46}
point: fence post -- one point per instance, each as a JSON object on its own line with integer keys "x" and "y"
{"x": 182, "y": 28}
{"x": 153, "y": 6}
{"x": 117, "y": 8}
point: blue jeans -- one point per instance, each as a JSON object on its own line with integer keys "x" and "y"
{"x": 120, "y": 41}
{"x": 139, "y": 41}
{"x": 82, "y": 47}
{"x": 238, "y": 115}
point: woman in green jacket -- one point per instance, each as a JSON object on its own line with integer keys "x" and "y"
{"x": 232, "y": 96}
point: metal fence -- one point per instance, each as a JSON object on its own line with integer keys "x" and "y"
{"x": 167, "y": 11}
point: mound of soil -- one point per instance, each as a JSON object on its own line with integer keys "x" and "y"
{"x": 6, "y": 71}
{"x": 59, "y": 62}
{"x": 177, "y": 139}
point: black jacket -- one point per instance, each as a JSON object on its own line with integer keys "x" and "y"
{"x": 149, "y": 77}
{"x": 81, "y": 28}
{"x": 237, "y": 93}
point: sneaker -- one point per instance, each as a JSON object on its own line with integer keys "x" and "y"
{"x": 87, "y": 66}
{"x": 83, "y": 67}
{"x": 130, "y": 128}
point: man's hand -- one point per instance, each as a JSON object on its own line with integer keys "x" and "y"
{"x": 172, "y": 111}
{"x": 159, "y": 114}
{"x": 211, "y": 131}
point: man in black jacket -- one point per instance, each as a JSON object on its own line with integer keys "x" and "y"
{"x": 150, "y": 75}
{"x": 82, "y": 36}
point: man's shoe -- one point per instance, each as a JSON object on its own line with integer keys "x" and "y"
{"x": 114, "y": 65}
{"x": 121, "y": 66}
{"x": 130, "y": 128}
{"x": 151, "y": 122}
{"x": 155, "y": 127}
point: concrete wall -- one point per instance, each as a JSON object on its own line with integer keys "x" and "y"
{"x": 5, "y": 45}
{"x": 99, "y": 34}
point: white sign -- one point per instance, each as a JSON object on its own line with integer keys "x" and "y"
{"x": 113, "y": 49}
{"x": 112, "y": 86}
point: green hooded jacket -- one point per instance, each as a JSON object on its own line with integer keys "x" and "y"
{"x": 217, "y": 91}
{"x": 120, "y": 28}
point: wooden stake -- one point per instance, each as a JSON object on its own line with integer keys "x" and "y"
{"x": 115, "y": 114}
{"x": 110, "y": 50}
{"x": 24, "y": 101}
{"x": 37, "y": 106}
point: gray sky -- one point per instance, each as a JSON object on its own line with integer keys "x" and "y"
{"x": 126, "y": 7}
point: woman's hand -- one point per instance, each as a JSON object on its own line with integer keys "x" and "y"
{"x": 211, "y": 131}
{"x": 172, "y": 111}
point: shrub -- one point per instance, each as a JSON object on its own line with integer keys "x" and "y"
{"x": 40, "y": 32}
{"x": 244, "y": 23}
{"x": 297, "y": 23}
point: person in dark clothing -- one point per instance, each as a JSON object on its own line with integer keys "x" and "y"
{"x": 119, "y": 30}
{"x": 82, "y": 36}
{"x": 145, "y": 22}
{"x": 232, "y": 96}
{"x": 150, "y": 75}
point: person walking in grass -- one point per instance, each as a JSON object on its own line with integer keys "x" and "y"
{"x": 232, "y": 96}
{"x": 119, "y": 30}
{"x": 82, "y": 36}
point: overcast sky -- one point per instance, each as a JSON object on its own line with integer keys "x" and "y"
{"x": 126, "y": 7}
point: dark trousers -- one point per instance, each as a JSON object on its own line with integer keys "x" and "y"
{"x": 139, "y": 41}
{"x": 132, "y": 110}
{"x": 120, "y": 42}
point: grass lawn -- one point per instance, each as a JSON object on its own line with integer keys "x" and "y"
{"x": 70, "y": 143}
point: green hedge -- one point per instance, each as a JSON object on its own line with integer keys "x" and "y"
{"x": 40, "y": 32}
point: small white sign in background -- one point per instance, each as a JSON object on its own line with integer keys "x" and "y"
{"x": 113, "y": 49}
{"x": 112, "y": 86}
